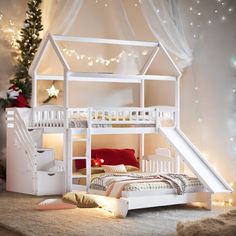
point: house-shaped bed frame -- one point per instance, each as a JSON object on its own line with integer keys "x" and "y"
{"x": 27, "y": 161}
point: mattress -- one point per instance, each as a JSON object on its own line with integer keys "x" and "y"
{"x": 191, "y": 184}
{"x": 75, "y": 123}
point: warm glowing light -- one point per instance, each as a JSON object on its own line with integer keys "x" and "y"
{"x": 158, "y": 10}
{"x": 223, "y": 18}
{"x": 230, "y": 200}
{"x": 231, "y": 184}
{"x": 199, "y": 13}
{"x": 90, "y": 63}
{"x": 92, "y": 59}
{"x": 199, "y": 120}
{"x": 209, "y": 21}
{"x": 144, "y": 53}
{"x": 196, "y": 87}
{"x": 53, "y": 92}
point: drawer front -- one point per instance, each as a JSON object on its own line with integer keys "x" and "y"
{"x": 45, "y": 159}
{"x": 49, "y": 183}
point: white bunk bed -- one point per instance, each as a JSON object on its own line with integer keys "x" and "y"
{"x": 106, "y": 120}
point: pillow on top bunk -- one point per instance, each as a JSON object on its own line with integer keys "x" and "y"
{"x": 112, "y": 157}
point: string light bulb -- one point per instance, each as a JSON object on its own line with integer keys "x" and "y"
{"x": 223, "y": 18}
{"x": 199, "y": 119}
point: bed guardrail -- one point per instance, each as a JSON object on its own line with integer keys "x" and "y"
{"x": 48, "y": 116}
{"x": 55, "y": 116}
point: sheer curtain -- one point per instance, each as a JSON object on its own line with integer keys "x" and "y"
{"x": 163, "y": 19}
{"x": 59, "y": 16}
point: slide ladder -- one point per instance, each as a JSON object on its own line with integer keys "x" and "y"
{"x": 195, "y": 161}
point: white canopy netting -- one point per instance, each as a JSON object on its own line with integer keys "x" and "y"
{"x": 80, "y": 18}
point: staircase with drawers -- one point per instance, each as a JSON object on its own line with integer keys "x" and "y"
{"x": 31, "y": 169}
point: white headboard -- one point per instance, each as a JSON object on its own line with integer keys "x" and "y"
{"x": 160, "y": 162}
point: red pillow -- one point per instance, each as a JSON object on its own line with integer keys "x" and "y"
{"x": 112, "y": 157}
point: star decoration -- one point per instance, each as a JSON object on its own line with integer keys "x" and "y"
{"x": 53, "y": 92}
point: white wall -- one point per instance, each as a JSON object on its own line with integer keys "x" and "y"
{"x": 215, "y": 77}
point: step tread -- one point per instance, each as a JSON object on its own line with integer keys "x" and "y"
{"x": 79, "y": 139}
{"x": 80, "y": 158}
{"x": 74, "y": 175}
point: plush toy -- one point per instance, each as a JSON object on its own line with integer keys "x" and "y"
{"x": 15, "y": 93}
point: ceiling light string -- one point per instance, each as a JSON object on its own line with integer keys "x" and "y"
{"x": 91, "y": 60}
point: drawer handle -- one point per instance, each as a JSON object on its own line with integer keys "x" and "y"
{"x": 51, "y": 174}
{"x": 40, "y": 151}
{"x": 30, "y": 130}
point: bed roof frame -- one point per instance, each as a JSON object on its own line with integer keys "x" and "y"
{"x": 70, "y": 75}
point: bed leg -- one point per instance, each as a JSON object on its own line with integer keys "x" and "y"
{"x": 208, "y": 203}
{"x": 121, "y": 209}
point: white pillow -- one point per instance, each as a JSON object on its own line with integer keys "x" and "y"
{"x": 114, "y": 169}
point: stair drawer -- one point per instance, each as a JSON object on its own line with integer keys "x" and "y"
{"x": 50, "y": 183}
{"x": 44, "y": 159}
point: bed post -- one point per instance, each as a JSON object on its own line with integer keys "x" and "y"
{"x": 141, "y": 138}
{"x": 208, "y": 203}
{"x": 67, "y": 137}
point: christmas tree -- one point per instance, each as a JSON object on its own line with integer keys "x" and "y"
{"x": 28, "y": 45}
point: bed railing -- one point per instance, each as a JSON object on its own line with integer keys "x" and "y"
{"x": 158, "y": 164}
{"x": 48, "y": 116}
{"x": 22, "y": 138}
{"x": 57, "y": 116}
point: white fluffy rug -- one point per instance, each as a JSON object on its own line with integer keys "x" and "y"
{"x": 222, "y": 225}
{"x": 18, "y": 213}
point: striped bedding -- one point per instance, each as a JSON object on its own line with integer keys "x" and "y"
{"x": 114, "y": 184}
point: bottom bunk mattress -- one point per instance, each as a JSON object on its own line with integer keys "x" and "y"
{"x": 138, "y": 184}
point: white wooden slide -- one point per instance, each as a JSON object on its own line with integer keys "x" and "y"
{"x": 195, "y": 161}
